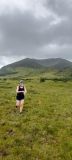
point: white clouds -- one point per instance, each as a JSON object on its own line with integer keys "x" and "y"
{"x": 9, "y": 59}
{"x": 1, "y": 37}
{"x": 9, "y": 6}
{"x": 50, "y": 48}
{"x": 36, "y": 7}
{"x": 60, "y": 7}
{"x": 31, "y": 28}
{"x": 56, "y": 50}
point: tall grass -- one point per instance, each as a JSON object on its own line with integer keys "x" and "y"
{"x": 44, "y": 130}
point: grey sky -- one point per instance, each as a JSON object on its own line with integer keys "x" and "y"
{"x": 35, "y": 28}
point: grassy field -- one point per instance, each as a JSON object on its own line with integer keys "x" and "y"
{"x": 44, "y": 130}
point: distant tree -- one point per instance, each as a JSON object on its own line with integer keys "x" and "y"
{"x": 42, "y": 79}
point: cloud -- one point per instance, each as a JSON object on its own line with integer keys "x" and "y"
{"x": 35, "y": 28}
{"x": 34, "y": 6}
{"x": 60, "y": 7}
{"x": 24, "y": 34}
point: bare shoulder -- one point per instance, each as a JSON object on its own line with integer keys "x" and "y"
{"x": 17, "y": 86}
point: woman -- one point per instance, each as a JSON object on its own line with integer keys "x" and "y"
{"x": 21, "y": 91}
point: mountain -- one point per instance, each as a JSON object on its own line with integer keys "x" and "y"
{"x": 53, "y": 63}
{"x": 41, "y": 63}
{"x": 28, "y": 63}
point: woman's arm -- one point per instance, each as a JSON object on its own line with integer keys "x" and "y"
{"x": 17, "y": 89}
{"x": 25, "y": 91}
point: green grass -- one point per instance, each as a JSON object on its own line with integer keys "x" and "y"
{"x": 44, "y": 130}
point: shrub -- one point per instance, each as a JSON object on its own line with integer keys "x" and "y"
{"x": 42, "y": 79}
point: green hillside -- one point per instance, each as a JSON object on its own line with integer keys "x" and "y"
{"x": 44, "y": 130}
{"x": 36, "y": 65}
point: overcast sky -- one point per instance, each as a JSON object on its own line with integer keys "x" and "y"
{"x": 35, "y": 29}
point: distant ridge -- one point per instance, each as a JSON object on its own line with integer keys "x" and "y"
{"x": 51, "y": 63}
{"x": 40, "y": 63}
{"x": 28, "y": 63}
{"x": 56, "y": 63}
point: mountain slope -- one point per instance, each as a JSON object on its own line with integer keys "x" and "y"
{"x": 28, "y": 63}
{"x": 35, "y": 63}
{"x": 56, "y": 63}
{"x": 53, "y": 63}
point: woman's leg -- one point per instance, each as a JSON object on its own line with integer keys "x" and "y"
{"x": 17, "y": 103}
{"x": 21, "y": 105}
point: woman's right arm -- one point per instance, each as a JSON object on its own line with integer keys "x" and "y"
{"x": 17, "y": 89}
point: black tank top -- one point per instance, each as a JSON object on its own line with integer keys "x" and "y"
{"x": 20, "y": 95}
{"x": 21, "y": 88}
